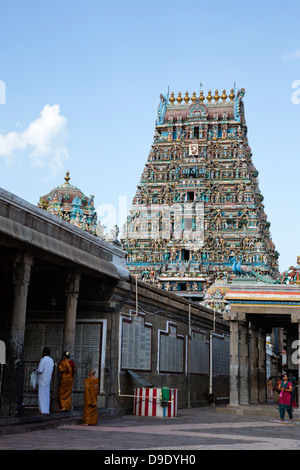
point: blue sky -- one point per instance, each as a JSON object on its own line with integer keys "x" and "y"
{"x": 82, "y": 81}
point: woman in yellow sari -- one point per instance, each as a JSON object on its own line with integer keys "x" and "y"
{"x": 66, "y": 368}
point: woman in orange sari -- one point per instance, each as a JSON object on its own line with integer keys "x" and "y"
{"x": 67, "y": 370}
{"x": 91, "y": 391}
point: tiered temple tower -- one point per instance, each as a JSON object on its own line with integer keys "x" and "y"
{"x": 198, "y": 212}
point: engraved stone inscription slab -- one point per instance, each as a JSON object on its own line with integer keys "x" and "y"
{"x": 199, "y": 353}
{"x": 136, "y": 344}
{"x": 171, "y": 351}
{"x": 221, "y": 355}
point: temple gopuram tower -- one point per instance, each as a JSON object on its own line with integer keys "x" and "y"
{"x": 198, "y": 212}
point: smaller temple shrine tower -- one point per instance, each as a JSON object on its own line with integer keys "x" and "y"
{"x": 198, "y": 212}
{"x": 69, "y": 203}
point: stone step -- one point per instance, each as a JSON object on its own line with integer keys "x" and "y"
{"x": 270, "y": 410}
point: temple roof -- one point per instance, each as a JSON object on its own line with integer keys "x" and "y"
{"x": 62, "y": 188}
{"x": 217, "y": 107}
{"x": 69, "y": 203}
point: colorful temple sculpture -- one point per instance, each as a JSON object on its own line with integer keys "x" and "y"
{"x": 198, "y": 213}
{"x": 70, "y": 204}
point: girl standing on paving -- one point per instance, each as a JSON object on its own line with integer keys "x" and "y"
{"x": 286, "y": 401}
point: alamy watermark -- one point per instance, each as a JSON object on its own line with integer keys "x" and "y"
{"x": 296, "y": 94}
{"x": 154, "y": 221}
{"x": 296, "y": 354}
{"x": 2, "y": 92}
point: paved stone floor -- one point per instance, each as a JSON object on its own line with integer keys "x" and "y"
{"x": 194, "y": 429}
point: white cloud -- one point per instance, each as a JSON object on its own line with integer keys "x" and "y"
{"x": 292, "y": 55}
{"x": 43, "y": 139}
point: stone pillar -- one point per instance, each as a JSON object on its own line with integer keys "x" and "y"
{"x": 295, "y": 318}
{"x": 262, "y": 378}
{"x": 13, "y": 380}
{"x": 244, "y": 365}
{"x": 297, "y": 397}
{"x": 234, "y": 363}
{"x": 296, "y": 358}
{"x": 234, "y": 357}
{"x": 72, "y": 292}
{"x": 21, "y": 280}
{"x": 253, "y": 364}
{"x": 113, "y": 377}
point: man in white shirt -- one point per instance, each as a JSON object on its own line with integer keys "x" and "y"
{"x": 44, "y": 374}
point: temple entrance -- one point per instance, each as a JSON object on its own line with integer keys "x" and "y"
{"x": 264, "y": 339}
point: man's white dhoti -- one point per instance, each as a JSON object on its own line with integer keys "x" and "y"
{"x": 44, "y": 372}
{"x": 44, "y": 399}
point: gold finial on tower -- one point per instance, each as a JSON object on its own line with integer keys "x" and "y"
{"x": 232, "y": 95}
{"x": 201, "y": 97}
{"x": 209, "y": 97}
{"x": 67, "y": 177}
{"x": 224, "y": 96}
{"x": 172, "y": 99}
{"x": 179, "y": 99}
{"x": 186, "y": 98}
{"x": 216, "y": 97}
{"x": 194, "y": 97}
